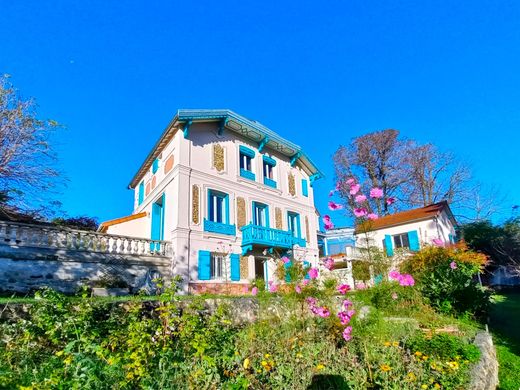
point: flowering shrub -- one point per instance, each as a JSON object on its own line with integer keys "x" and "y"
{"x": 447, "y": 277}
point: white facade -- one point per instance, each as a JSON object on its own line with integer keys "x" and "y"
{"x": 438, "y": 227}
{"x": 201, "y": 156}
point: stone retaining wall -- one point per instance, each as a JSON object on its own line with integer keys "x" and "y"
{"x": 24, "y": 269}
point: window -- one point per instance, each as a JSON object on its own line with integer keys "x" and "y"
{"x": 293, "y": 222}
{"x": 141, "y": 193}
{"x": 260, "y": 214}
{"x": 268, "y": 169}
{"x": 218, "y": 207}
{"x": 305, "y": 188}
{"x": 217, "y": 262}
{"x": 246, "y": 163}
{"x": 401, "y": 241}
{"x": 155, "y": 166}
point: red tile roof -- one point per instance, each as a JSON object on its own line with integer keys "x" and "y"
{"x": 413, "y": 215}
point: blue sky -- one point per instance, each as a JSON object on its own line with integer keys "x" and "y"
{"x": 318, "y": 73}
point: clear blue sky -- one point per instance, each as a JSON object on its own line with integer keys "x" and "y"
{"x": 318, "y": 73}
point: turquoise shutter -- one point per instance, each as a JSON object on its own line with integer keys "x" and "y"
{"x": 235, "y": 267}
{"x": 141, "y": 193}
{"x": 413, "y": 239}
{"x": 306, "y": 266}
{"x": 204, "y": 265}
{"x": 451, "y": 238}
{"x": 305, "y": 189}
{"x": 155, "y": 166}
{"x": 287, "y": 276}
{"x": 388, "y": 245}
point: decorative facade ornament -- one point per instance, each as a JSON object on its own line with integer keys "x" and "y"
{"x": 241, "y": 212}
{"x": 218, "y": 157}
{"x": 195, "y": 205}
{"x": 278, "y": 218}
{"x": 307, "y": 230}
{"x": 292, "y": 185}
{"x": 244, "y": 267}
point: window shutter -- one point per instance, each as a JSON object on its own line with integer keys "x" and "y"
{"x": 413, "y": 239}
{"x": 305, "y": 189}
{"x": 235, "y": 267}
{"x": 306, "y": 266}
{"x": 287, "y": 276}
{"x": 204, "y": 265}
{"x": 388, "y": 245}
{"x": 155, "y": 166}
{"x": 141, "y": 193}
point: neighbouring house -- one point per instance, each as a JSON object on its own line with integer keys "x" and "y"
{"x": 409, "y": 230}
{"x": 338, "y": 241}
{"x": 229, "y": 194}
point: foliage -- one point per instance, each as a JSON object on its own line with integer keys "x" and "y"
{"x": 361, "y": 270}
{"x": 500, "y": 242}
{"x": 444, "y": 346}
{"x": 26, "y": 156}
{"x": 446, "y": 278}
{"x": 82, "y": 223}
{"x": 393, "y": 298}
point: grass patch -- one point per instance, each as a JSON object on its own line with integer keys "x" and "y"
{"x": 504, "y": 319}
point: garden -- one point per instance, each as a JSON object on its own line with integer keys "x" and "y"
{"x": 414, "y": 330}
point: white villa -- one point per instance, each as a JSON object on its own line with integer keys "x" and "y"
{"x": 228, "y": 193}
{"x": 411, "y": 229}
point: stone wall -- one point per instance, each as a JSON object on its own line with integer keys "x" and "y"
{"x": 24, "y": 269}
{"x": 484, "y": 375}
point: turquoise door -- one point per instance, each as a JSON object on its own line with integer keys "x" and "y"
{"x": 157, "y": 223}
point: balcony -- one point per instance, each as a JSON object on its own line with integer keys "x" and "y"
{"x": 274, "y": 238}
{"x": 218, "y": 227}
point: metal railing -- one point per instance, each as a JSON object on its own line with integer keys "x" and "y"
{"x": 254, "y": 234}
{"x": 43, "y": 236}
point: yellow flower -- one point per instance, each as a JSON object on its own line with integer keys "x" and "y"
{"x": 320, "y": 367}
{"x": 418, "y": 354}
{"x": 385, "y": 367}
{"x": 411, "y": 376}
{"x": 59, "y": 353}
{"x": 68, "y": 360}
{"x": 395, "y": 344}
{"x": 246, "y": 363}
{"x": 453, "y": 365}
{"x": 424, "y": 386}
{"x": 267, "y": 356}
{"x": 387, "y": 343}
{"x": 424, "y": 357}
{"x": 437, "y": 386}
{"x": 299, "y": 355}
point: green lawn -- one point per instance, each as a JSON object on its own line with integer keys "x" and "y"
{"x": 504, "y": 323}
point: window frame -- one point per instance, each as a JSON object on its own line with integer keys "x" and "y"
{"x": 402, "y": 244}
{"x": 265, "y": 208}
{"x": 224, "y": 212}
{"x": 292, "y": 218}
{"x": 217, "y": 261}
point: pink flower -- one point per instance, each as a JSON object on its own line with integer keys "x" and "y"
{"x": 350, "y": 181}
{"x": 326, "y": 218}
{"x": 390, "y": 201}
{"x": 334, "y": 206}
{"x": 406, "y": 280}
{"x": 273, "y": 288}
{"x": 338, "y": 185}
{"x": 394, "y": 275}
{"x": 305, "y": 282}
{"x": 347, "y": 333}
{"x": 331, "y": 193}
{"x": 376, "y": 193}
{"x": 360, "y": 286}
{"x": 347, "y": 303}
{"x": 355, "y": 189}
{"x": 350, "y": 313}
{"x": 360, "y": 212}
{"x": 453, "y": 265}
{"x": 394, "y": 296}
{"x": 329, "y": 263}
{"x": 343, "y": 318}
{"x": 286, "y": 260}
{"x": 323, "y": 312}
{"x": 254, "y": 291}
{"x": 329, "y": 226}
{"x": 360, "y": 198}
{"x": 437, "y": 242}
{"x": 298, "y": 289}
{"x": 343, "y": 288}
{"x": 311, "y": 301}
{"x": 313, "y": 273}
{"x": 372, "y": 216}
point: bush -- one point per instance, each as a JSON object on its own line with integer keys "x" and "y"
{"x": 393, "y": 298}
{"x": 446, "y": 276}
{"x": 444, "y": 347}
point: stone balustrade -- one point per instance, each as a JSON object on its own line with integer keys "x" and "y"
{"x": 43, "y": 236}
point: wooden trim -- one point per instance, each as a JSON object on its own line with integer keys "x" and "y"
{"x": 104, "y": 225}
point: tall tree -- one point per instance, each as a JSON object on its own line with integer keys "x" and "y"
{"x": 434, "y": 176}
{"x": 27, "y": 160}
{"x": 375, "y": 160}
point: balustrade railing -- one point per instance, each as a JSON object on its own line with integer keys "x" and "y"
{"x": 254, "y": 234}
{"x": 43, "y": 236}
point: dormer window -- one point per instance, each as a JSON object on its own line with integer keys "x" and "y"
{"x": 246, "y": 163}
{"x": 268, "y": 169}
